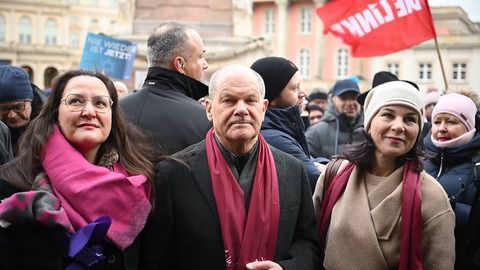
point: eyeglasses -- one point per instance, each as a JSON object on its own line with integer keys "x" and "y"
{"x": 17, "y": 108}
{"x": 77, "y": 103}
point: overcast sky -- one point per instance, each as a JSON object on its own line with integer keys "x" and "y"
{"x": 472, "y": 7}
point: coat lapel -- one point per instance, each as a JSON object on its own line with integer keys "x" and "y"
{"x": 385, "y": 204}
{"x": 281, "y": 175}
{"x": 201, "y": 175}
{"x": 352, "y": 231}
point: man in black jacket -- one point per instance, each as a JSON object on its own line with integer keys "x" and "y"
{"x": 166, "y": 106}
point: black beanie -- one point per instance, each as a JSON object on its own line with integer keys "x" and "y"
{"x": 276, "y": 72}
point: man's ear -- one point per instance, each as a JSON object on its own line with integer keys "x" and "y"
{"x": 208, "y": 108}
{"x": 179, "y": 64}
{"x": 265, "y": 105}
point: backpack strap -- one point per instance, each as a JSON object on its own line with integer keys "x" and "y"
{"x": 330, "y": 173}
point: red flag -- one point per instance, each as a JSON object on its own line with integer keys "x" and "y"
{"x": 378, "y": 27}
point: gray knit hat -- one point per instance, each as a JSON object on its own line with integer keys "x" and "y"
{"x": 14, "y": 84}
{"x": 392, "y": 93}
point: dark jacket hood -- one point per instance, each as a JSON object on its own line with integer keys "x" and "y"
{"x": 188, "y": 86}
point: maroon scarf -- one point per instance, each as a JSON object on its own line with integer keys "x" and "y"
{"x": 411, "y": 232}
{"x": 251, "y": 237}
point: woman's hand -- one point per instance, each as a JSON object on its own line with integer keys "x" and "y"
{"x": 263, "y": 265}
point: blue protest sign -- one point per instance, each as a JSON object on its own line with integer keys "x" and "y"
{"x": 113, "y": 57}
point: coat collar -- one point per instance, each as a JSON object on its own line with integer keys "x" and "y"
{"x": 287, "y": 120}
{"x": 179, "y": 82}
{"x": 199, "y": 164}
{"x": 356, "y": 224}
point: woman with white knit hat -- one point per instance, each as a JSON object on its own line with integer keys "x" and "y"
{"x": 382, "y": 211}
{"x": 453, "y": 149}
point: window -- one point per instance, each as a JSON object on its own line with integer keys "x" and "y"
{"x": 304, "y": 63}
{"x": 342, "y": 63}
{"x": 25, "y": 35}
{"x": 50, "y": 32}
{"x": 269, "y": 22}
{"x": 459, "y": 72}
{"x": 393, "y": 68}
{"x": 74, "y": 40}
{"x": 425, "y": 73}
{"x": 305, "y": 21}
{"x": 74, "y": 20}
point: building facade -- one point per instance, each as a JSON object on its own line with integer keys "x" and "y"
{"x": 47, "y": 36}
{"x": 459, "y": 43}
{"x": 225, "y": 27}
{"x": 296, "y": 32}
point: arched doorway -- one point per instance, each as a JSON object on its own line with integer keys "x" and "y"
{"x": 29, "y": 70}
{"x": 48, "y": 76}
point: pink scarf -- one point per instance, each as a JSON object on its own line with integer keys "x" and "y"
{"x": 251, "y": 237}
{"x": 411, "y": 231}
{"x": 87, "y": 191}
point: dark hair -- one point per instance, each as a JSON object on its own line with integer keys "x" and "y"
{"x": 133, "y": 150}
{"x": 166, "y": 42}
{"x": 362, "y": 153}
{"x": 317, "y": 95}
{"x": 314, "y": 107}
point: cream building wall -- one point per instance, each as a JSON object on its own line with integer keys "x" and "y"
{"x": 73, "y": 20}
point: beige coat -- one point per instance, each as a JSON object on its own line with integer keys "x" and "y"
{"x": 364, "y": 231}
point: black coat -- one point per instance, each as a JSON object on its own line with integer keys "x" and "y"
{"x": 167, "y": 110}
{"x": 184, "y": 232}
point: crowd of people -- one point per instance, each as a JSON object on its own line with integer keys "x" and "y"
{"x": 247, "y": 172}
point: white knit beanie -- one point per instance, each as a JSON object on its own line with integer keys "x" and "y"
{"x": 392, "y": 93}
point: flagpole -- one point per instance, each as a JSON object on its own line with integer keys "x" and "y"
{"x": 441, "y": 63}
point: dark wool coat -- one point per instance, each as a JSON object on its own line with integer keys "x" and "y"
{"x": 184, "y": 232}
